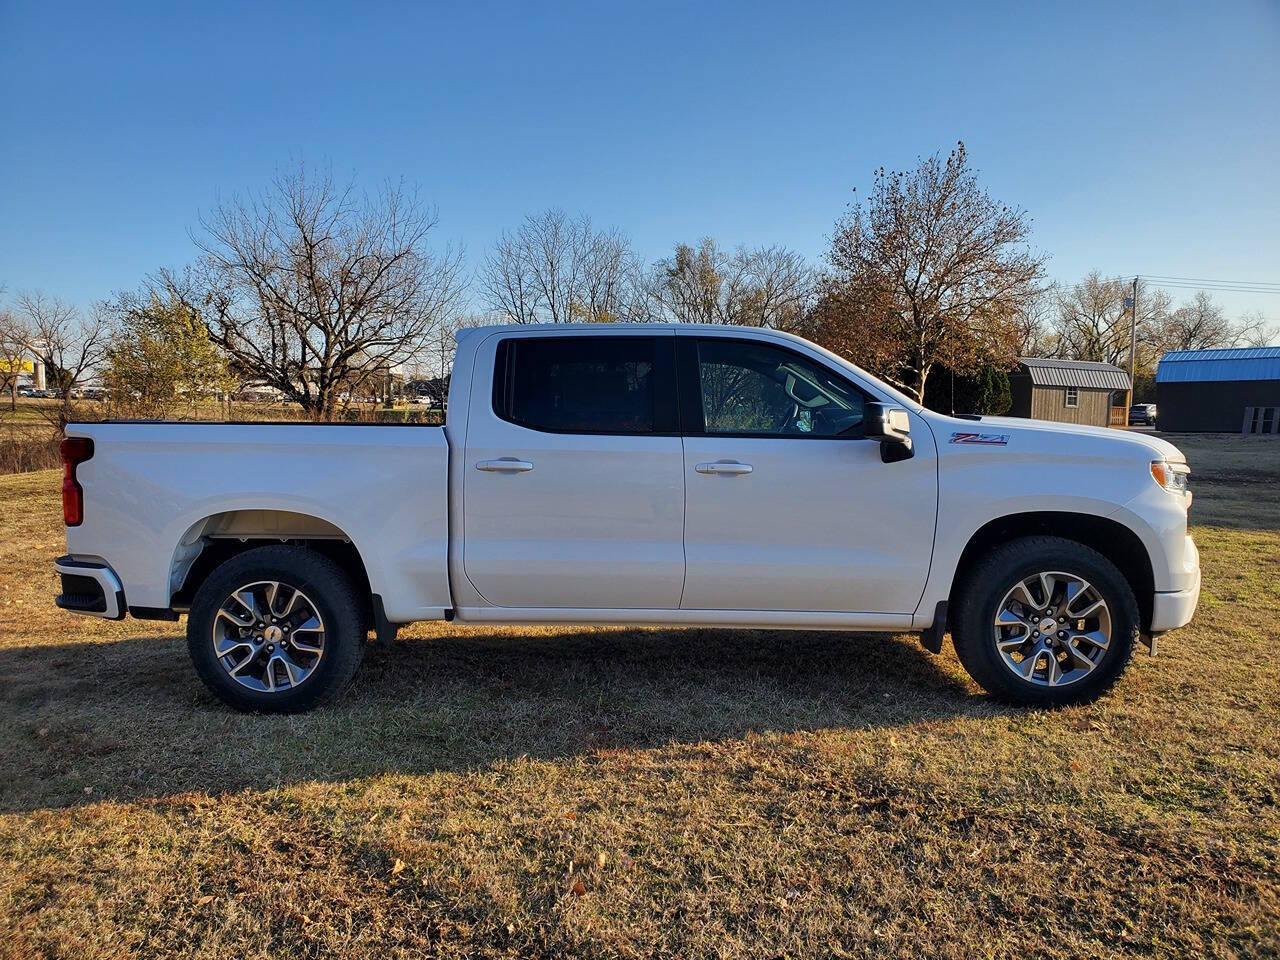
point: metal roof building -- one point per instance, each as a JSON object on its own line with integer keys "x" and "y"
{"x": 1074, "y": 373}
{"x": 1070, "y": 391}
{"x": 1225, "y": 390}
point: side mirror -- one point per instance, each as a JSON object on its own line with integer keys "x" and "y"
{"x": 891, "y": 425}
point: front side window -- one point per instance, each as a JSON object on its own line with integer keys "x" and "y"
{"x": 752, "y": 388}
{"x": 1073, "y": 396}
{"x": 577, "y": 384}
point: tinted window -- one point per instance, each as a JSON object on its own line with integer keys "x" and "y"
{"x": 577, "y": 384}
{"x": 753, "y": 388}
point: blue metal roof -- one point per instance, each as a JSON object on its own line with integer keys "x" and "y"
{"x": 1236, "y": 363}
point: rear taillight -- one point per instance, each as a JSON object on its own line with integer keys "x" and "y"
{"x": 75, "y": 450}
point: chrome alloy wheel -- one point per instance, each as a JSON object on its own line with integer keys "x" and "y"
{"x": 1053, "y": 628}
{"x": 268, "y": 636}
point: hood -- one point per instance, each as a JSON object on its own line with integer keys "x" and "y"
{"x": 1125, "y": 441}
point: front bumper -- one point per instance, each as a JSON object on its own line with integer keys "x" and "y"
{"x": 90, "y": 587}
{"x": 1173, "y": 610}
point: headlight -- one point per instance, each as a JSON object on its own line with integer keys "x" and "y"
{"x": 1171, "y": 476}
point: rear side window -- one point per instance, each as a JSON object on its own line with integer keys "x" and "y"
{"x": 603, "y": 384}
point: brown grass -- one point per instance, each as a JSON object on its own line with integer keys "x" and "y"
{"x": 645, "y": 792}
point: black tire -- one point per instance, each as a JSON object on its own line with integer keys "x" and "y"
{"x": 986, "y": 586}
{"x": 326, "y": 587}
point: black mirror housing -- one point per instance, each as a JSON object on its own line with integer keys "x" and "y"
{"x": 891, "y": 425}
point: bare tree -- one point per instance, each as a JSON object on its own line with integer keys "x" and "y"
{"x": 1198, "y": 325}
{"x": 70, "y": 346}
{"x": 316, "y": 290}
{"x": 931, "y": 270}
{"x": 1093, "y": 323}
{"x": 778, "y": 287}
{"x": 692, "y": 285}
{"x": 1033, "y": 323}
{"x": 509, "y": 282}
{"x": 1095, "y": 319}
{"x": 557, "y": 269}
{"x": 765, "y": 287}
{"x": 1254, "y": 330}
{"x": 15, "y": 347}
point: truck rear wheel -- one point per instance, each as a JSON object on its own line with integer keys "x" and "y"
{"x": 276, "y": 629}
{"x": 1045, "y": 621}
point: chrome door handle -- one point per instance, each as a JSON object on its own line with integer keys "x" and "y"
{"x": 728, "y": 468}
{"x": 505, "y": 465}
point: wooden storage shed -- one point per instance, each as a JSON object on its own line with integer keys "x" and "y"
{"x": 1069, "y": 391}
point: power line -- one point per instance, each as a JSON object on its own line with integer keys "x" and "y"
{"x": 1187, "y": 283}
{"x": 1247, "y": 283}
{"x": 1217, "y": 288}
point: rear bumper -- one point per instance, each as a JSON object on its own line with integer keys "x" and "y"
{"x": 1173, "y": 610}
{"x": 90, "y": 587}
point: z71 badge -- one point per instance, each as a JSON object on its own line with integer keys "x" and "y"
{"x": 994, "y": 439}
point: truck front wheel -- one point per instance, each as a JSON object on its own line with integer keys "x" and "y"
{"x": 1045, "y": 621}
{"x": 276, "y": 629}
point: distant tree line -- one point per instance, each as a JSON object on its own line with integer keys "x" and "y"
{"x": 316, "y": 290}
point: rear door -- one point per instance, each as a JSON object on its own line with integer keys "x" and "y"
{"x": 786, "y": 507}
{"x": 573, "y": 489}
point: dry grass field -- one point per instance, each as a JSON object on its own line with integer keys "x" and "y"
{"x": 626, "y": 793}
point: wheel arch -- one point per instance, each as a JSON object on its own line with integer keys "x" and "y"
{"x": 1115, "y": 541}
{"x": 216, "y": 538}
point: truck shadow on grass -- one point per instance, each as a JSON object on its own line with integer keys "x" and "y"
{"x": 130, "y": 719}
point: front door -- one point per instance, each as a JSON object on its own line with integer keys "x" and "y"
{"x": 786, "y": 507}
{"x": 573, "y": 493}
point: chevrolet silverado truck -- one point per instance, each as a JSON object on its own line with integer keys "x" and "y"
{"x": 672, "y": 474}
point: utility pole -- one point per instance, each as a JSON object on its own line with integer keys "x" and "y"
{"x": 1133, "y": 340}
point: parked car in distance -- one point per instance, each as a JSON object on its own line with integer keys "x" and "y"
{"x": 671, "y": 474}
{"x": 26, "y": 391}
{"x": 1142, "y": 413}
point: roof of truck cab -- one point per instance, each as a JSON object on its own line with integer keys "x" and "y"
{"x": 466, "y": 334}
{"x": 619, "y": 328}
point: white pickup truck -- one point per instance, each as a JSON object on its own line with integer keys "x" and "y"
{"x": 636, "y": 474}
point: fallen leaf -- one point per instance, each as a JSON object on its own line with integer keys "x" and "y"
{"x": 578, "y": 888}
{"x": 397, "y": 868}
{"x": 602, "y": 860}
{"x": 205, "y": 900}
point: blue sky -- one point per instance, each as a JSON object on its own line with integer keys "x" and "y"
{"x": 1140, "y": 137}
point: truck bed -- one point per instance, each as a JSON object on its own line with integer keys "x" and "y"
{"x": 159, "y": 492}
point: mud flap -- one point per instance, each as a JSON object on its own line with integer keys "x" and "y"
{"x": 384, "y": 631}
{"x": 931, "y": 637}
